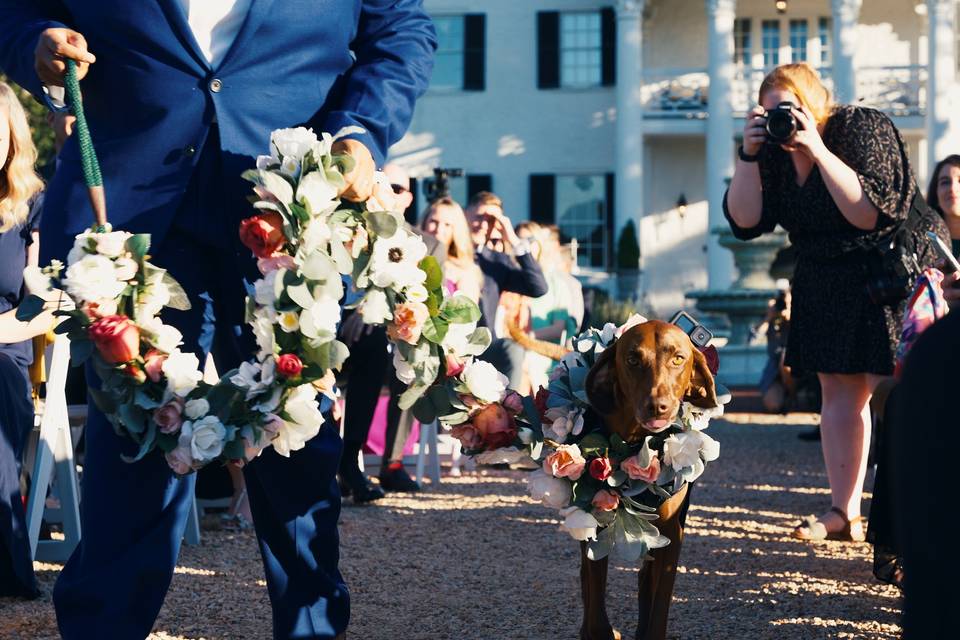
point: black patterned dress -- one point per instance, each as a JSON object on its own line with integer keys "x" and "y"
{"x": 834, "y": 326}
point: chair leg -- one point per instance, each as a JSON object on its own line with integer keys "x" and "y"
{"x": 434, "y": 453}
{"x": 192, "y": 533}
{"x": 422, "y": 453}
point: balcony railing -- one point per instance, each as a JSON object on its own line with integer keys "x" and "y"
{"x": 683, "y": 93}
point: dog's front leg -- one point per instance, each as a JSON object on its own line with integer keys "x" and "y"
{"x": 593, "y": 588}
{"x": 657, "y": 576}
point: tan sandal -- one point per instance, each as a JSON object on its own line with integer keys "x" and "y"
{"x": 810, "y": 528}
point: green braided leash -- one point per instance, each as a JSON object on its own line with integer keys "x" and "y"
{"x": 88, "y": 157}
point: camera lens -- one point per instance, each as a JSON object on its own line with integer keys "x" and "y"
{"x": 781, "y": 124}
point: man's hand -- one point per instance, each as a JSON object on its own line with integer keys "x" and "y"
{"x": 360, "y": 182}
{"x": 499, "y": 220}
{"x": 54, "y": 47}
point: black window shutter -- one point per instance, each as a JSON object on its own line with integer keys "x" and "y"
{"x": 608, "y": 43}
{"x": 474, "y": 51}
{"x": 543, "y": 198}
{"x": 548, "y": 49}
{"x": 412, "y": 214}
{"x": 477, "y": 182}
{"x": 611, "y": 184}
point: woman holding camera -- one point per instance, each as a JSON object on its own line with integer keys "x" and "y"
{"x": 838, "y": 179}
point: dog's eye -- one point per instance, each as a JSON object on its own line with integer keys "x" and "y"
{"x": 633, "y": 361}
{"x": 678, "y": 360}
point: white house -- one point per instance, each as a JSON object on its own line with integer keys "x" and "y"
{"x": 590, "y": 113}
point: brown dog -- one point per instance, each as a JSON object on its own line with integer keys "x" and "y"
{"x": 638, "y": 385}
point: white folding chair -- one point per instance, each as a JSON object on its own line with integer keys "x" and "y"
{"x": 53, "y": 464}
{"x": 428, "y": 438}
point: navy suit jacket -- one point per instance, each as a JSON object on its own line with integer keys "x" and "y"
{"x": 502, "y": 272}
{"x": 151, "y": 97}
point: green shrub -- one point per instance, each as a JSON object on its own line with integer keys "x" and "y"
{"x": 628, "y": 248}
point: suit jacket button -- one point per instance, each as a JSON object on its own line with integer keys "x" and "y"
{"x": 189, "y": 151}
{"x": 215, "y": 85}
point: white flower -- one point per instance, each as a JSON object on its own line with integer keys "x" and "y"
{"x": 154, "y": 298}
{"x": 709, "y": 448}
{"x": 383, "y": 198}
{"x": 304, "y": 421}
{"x": 682, "y": 450}
{"x": 126, "y": 268}
{"x": 609, "y": 334}
{"x": 405, "y": 372}
{"x": 265, "y": 161}
{"x": 111, "y": 244}
{"x": 196, "y": 408}
{"x": 290, "y": 167}
{"x": 262, "y": 327}
{"x": 375, "y": 309}
{"x": 162, "y": 336}
{"x": 316, "y": 194}
{"x": 394, "y": 261}
{"x": 525, "y": 435}
{"x": 416, "y": 293}
{"x": 315, "y": 236}
{"x": 359, "y": 241}
{"x": 573, "y": 360}
{"x": 93, "y": 279}
{"x": 564, "y": 422}
{"x": 553, "y": 492}
{"x": 275, "y": 188}
{"x": 254, "y": 377}
{"x": 182, "y": 371}
{"x": 321, "y": 318}
{"x": 265, "y": 289}
{"x": 503, "y": 455}
{"x": 295, "y": 142}
{"x": 205, "y": 437}
{"x": 699, "y": 419}
{"x": 289, "y": 321}
{"x": 484, "y": 381}
{"x": 80, "y": 248}
{"x": 579, "y": 524}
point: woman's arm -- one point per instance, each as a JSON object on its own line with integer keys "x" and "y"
{"x": 13, "y": 330}
{"x": 745, "y": 195}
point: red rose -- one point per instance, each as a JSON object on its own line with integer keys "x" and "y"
{"x": 116, "y": 338}
{"x": 496, "y": 426}
{"x": 289, "y": 365}
{"x": 540, "y": 401}
{"x": 600, "y": 468}
{"x": 263, "y": 234}
{"x": 713, "y": 358}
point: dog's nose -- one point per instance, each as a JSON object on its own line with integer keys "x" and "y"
{"x": 657, "y": 406}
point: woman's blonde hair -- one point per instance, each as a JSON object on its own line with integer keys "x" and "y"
{"x": 19, "y": 183}
{"x": 803, "y": 81}
{"x": 460, "y": 249}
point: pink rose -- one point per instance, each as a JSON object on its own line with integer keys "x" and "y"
{"x": 169, "y": 417}
{"x": 648, "y": 474}
{"x": 180, "y": 461}
{"x": 454, "y": 366}
{"x": 116, "y": 338}
{"x": 565, "y": 462}
{"x": 600, "y": 468}
{"x": 513, "y": 402}
{"x": 496, "y": 426}
{"x": 408, "y": 319}
{"x": 468, "y": 436}
{"x": 272, "y": 263}
{"x": 153, "y": 364}
{"x": 605, "y": 500}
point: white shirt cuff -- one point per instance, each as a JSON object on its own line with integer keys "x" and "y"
{"x": 57, "y": 96}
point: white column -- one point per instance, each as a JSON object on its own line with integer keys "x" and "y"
{"x": 720, "y": 131}
{"x": 629, "y": 171}
{"x": 943, "y": 122}
{"x": 846, "y": 14}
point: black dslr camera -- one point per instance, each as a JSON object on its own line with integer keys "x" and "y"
{"x": 781, "y": 125}
{"x": 439, "y": 185}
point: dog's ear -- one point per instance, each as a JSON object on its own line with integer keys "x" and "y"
{"x": 702, "y": 391}
{"x": 602, "y": 389}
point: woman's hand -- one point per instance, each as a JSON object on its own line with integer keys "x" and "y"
{"x": 807, "y": 139}
{"x": 755, "y": 131}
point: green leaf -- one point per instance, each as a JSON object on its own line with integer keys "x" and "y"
{"x": 435, "y": 329}
{"x": 167, "y": 442}
{"x": 221, "y": 396}
{"x": 532, "y": 414}
{"x": 383, "y": 224}
{"x": 234, "y": 450}
{"x": 144, "y": 401}
{"x": 411, "y": 395}
{"x": 104, "y": 401}
{"x": 583, "y": 491}
{"x": 478, "y": 341}
{"x": 80, "y": 350}
{"x": 133, "y": 417}
{"x": 139, "y": 244}
{"x": 619, "y": 448}
{"x": 424, "y": 411}
{"x": 300, "y": 212}
{"x": 602, "y": 546}
{"x": 178, "y": 297}
{"x": 460, "y": 310}
{"x": 30, "y": 308}
{"x": 345, "y": 161}
{"x": 145, "y": 446}
{"x": 594, "y": 444}
{"x": 431, "y": 267}
{"x": 617, "y": 478}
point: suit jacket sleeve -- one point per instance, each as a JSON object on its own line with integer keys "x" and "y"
{"x": 394, "y": 58}
{"x": 525, "y": 277}
{"x": 21, "y": 23}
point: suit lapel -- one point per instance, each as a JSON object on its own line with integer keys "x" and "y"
{"x": 259, "y": 9}
{"x": 181, "y": 28}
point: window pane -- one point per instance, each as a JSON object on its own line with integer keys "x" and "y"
{"x": 825, "y": 29}
{"x": 582, "y": 214}
{"x": 771, "y": 43}
{"x": 448, "y": 63}
{"x": 581, "y": 61}
{"x": 742, "y": 51}
{"x": 798, "y": 40}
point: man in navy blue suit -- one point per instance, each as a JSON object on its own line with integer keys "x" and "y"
{"x": 181, "y": 96}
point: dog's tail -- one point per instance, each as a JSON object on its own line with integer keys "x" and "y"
{"x": 546, "y": 349}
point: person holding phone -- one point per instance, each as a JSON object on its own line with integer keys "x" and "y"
{"x": 943, "y": 194}
{"x": 831, "y": 175}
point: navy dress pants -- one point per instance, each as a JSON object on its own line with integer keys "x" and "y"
{"x": 134, "y": 515}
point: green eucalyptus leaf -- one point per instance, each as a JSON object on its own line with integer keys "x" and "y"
{"x": 30, "y": 308}
{"x": 178, "y": 297}
{"x": 435, "y": 329}
{"x": 80, "y": 350}
{"x": 460, "y": 310}
{"x": 411, "y": 395}
{"x": 383, "y": 224}
{"x": 139, "y": 244}
{"x": 104, "y": 401}
{"x": 431, "y": 267}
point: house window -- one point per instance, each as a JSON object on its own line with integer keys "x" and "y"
{"x": 582, "y": 212}
{"x": 460, "y": 57}
{"x": 742, "y": 44}
{"x": 581, "y": 45}
{"x": 798, "y": 41}
{"x": 825, "y": 32}
{"x": 770, "y": 40}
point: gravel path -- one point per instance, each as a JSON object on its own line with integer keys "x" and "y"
{"x": 476, "y": 559}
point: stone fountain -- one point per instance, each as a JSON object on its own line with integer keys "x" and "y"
{"x": 744, "y": 304}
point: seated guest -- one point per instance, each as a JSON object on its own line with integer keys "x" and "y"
{"x": 20, "y": 189}
{"x": 502, "y": 271}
